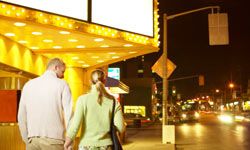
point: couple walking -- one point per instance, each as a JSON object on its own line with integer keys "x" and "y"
{"x": 45, "y": 112}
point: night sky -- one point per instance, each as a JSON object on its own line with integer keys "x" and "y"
{"x": 188, "y": 45}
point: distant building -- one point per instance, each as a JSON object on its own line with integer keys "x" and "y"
{"x": 248, "y": 88}
{"x": 136, "y": 73}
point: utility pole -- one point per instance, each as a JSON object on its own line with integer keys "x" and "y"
{"x": 168, "y": 131}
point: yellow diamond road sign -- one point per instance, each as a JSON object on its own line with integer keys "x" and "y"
{"x": 158, "y": 67}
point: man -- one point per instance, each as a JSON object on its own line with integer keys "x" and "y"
{"x": 45, "y": 109}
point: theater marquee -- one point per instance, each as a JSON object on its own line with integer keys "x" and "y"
{"x": 135, "y": 16}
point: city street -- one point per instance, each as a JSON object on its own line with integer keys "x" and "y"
{"x": 207, "y": 134}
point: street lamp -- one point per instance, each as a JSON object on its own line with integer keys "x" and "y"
{"x": 168, "y": 132}
{"x": 231, "y": 85}
{"x": 218, "y": 96}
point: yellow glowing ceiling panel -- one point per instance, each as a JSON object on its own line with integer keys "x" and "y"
{"x": 80, "y": 44}
{"x": 46, "y": 37}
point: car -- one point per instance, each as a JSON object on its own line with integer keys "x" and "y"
{"x": 227, "y": 117}
{"x": 243, "y": 116}
{"x": 135, "y": 119}
{"x": 189, "y": 115}
{"x": 188, "y": 112}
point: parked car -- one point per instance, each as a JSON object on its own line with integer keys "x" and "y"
{"x": 135, "y": 120}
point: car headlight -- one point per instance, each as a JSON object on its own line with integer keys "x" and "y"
{"x": 226, "y": 118}
{"x": 239, "y": 118}
{"x": 197, "y": 115}
{"x": 184, "y": 116}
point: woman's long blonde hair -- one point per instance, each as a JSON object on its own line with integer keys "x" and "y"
{"x": 98, "y": 79}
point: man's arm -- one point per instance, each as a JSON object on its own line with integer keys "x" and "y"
{"x": 118, "y": 118}
{"x": 76, "y": 121}
{"x": 67, "y": 104}
{"x": 22, "y": 117}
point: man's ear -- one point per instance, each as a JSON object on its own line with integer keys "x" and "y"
{"x": 55, "y": 67}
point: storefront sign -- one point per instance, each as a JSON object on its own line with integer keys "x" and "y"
{"x": 114, "y": 73}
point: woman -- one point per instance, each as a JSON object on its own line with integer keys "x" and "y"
{"x": 93, "y": 114}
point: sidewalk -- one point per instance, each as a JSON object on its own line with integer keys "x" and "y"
{"x": 146, "y": 138}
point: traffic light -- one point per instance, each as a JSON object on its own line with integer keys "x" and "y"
{"x": 173, "y": 90}
{"x": 201, "y": 80}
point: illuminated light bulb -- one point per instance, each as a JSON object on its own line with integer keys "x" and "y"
{"x": 80, "y": 46}
{"x": 98, "y": 39}
{"x": 114, "y": 57}
{"x": 19, "y": 24}
{"x": 22, "y": 42}
{"x": 85, "y": 65}
{"x": 37, "y": 33}
{"x": 104, "y": 46}
{"x": 45, "y": 20}
{"x": 47, "y": 41}
{"x": 70, "y": 25}
{"x": 34, "y": 47}
{"x": 95, "y": 57}
{"x": 13, "y": 8}
{"x": 3, "y": 6}
{"x": 127, "y": 45}
{"x": 132, "y": 52}
{"x": 18, "y": 14}
{"x": 57, "y": 47}
{"x": 8, "y": 12}
{"x": 100, "y": 61}
{"x": 75, "y": 58}
{"x": 81, "y": 62}
{"x": 9, "y": 34}
{"x": 72, "y": 40}
{"x": 64, "y": 32}
{"x": 112, "y": 53}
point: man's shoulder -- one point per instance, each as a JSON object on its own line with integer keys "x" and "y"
{"x": 31, "y": 81}
{"x": 62, "y": 81}
{"x": 59, "y": 81}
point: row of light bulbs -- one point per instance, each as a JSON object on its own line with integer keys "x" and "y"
{"x": 21, "y": 24}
